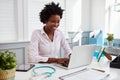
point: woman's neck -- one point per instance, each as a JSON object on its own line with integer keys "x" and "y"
{"x": 48, "y": 31}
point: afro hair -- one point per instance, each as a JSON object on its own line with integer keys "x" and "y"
{"x": 49, "y": 10}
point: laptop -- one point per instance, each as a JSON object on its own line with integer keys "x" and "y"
{"x": 81, "y": 56}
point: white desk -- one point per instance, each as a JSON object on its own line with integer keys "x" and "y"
{"x": 103, "y": 64}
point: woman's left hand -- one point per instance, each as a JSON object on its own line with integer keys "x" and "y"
{"x": 63, "y": 61}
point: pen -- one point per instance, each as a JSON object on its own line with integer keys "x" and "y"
{"x": 98, "y": 70}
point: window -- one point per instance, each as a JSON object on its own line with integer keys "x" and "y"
{"x": 112, "y": 18}
{"x": 8, "y": 27}
{"x": 18, "y": 18}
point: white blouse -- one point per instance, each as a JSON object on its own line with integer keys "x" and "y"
{"x": 42, "y": 48}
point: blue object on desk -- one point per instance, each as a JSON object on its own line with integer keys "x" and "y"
{"x": 98, "y": 40}
{"x": 38, "y": 76}
{"x": 47, "y": 73}
{"x": 101, "y": 52}
{"x": 96, "y": 54}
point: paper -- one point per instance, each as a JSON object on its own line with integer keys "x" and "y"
{"x": 86, "y": 74}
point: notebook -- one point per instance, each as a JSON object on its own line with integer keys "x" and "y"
{"x": 81, "y": 56}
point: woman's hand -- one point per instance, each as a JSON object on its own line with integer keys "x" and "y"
{"x": 63, "y": 61}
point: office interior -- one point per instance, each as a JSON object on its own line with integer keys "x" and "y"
{"x": 82, "y": 19}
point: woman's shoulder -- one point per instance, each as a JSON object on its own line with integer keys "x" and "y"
{"x": 59, "y": 31}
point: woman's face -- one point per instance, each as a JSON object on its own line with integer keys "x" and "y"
{"x": 53, "y": 22}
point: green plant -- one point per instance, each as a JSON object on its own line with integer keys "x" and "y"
{"x": 110, "y": 37}
{"x": 7, "y": 60}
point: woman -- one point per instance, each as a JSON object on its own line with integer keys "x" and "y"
{"x": 46, "y": 42}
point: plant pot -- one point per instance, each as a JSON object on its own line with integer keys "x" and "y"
{"x": 7, "y": 74}
{"x": 110, "y": 43}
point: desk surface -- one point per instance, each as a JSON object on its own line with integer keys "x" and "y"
{"x": 103, "y": 64}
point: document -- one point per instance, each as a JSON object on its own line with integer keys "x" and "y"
{"x": 85, "y": 74}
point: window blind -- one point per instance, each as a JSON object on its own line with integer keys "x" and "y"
{"x": 7, "y": 21}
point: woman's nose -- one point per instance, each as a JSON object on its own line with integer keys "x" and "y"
{"x": 56, "y": 24}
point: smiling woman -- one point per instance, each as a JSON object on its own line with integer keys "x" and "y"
{"x": 34, "y": 7}
{"x": 46, "y": 42}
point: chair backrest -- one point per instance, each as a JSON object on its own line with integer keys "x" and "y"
{"x": 20, "y": 48}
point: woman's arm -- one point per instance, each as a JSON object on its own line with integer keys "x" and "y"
{"x": 62, "y": 61}
{"x": 33, "y": 49}
{"x": 65, "y": 45}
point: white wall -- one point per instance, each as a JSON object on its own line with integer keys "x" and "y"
{"x": 85, "y": 15}
{"x": 91, "y": 17}
{"x": 79, "y": 17}
{"x": 97, "y": 14}
{"x": 69, "y": 13}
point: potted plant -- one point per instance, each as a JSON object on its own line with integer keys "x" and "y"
{"x": 110, "y": 39}
{"x": 7, "y": 65}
